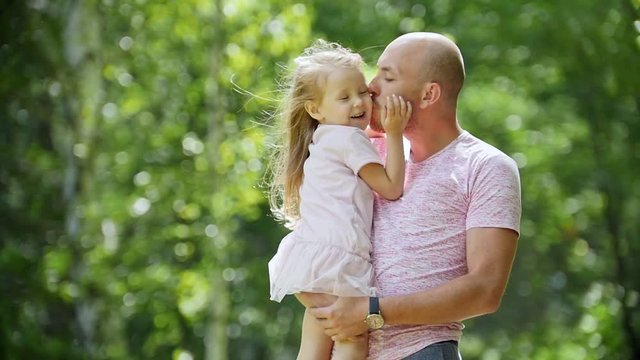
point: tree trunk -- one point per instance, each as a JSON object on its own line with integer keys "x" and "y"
{"x": 611, "y": 187}
{"x": 81, "y": 40}
{"x": 216, "y": 340}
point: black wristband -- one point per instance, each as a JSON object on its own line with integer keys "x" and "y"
{"x": 374, "y": 305}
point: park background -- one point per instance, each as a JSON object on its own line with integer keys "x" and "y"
{"x": 134, "y": 137}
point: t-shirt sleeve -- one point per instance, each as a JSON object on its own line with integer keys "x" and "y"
{"x": 359, "y": 151}
{"x": 495, "y": 195}
{"x": 380, "y": 144}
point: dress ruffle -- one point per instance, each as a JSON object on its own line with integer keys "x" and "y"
{"x": 305, "y": 266}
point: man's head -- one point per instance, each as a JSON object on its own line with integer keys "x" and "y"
{"x": 425, "y": 68}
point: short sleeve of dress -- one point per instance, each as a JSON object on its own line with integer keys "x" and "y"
{"x": 495, "y": 195}
{"x": 359, "y": 151}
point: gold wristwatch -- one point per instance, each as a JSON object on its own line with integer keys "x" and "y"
{"x": 374, "y": 320}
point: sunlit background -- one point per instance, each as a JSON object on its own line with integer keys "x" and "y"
{"x": 133, "y": 139}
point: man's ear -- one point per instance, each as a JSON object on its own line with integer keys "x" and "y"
{"x": 431, "y": 92}
{"x": 312, "y": 109}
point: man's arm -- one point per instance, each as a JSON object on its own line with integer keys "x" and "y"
{"x": 490, "y": 254}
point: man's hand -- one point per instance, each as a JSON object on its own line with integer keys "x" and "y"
{"x": 344, "y": 319}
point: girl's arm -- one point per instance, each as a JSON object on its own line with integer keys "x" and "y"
{"x": 388, "y": 180}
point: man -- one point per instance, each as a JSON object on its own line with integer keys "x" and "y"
{"x": 443, "y": 252}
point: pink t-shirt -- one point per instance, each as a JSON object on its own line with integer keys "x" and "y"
{"x": 419, "y": 241}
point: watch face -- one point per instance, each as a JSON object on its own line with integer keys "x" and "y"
{"x": 375, "y": 321}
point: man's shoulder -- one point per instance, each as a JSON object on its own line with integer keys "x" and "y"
{"x": 481, "y": 151}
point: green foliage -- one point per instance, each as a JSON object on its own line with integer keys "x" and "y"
{"x": 132, "y": 150}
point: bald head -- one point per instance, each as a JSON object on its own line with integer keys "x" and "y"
{"x": 434, "y": 58}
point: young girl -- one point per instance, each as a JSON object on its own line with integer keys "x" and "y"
{"x": 323, "y": 173}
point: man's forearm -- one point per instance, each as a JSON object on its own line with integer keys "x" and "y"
{"x": 490, "y": 254}
{"x": 457, "y": 300}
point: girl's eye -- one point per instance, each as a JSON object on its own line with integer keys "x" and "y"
{"x": 364, "y": 92}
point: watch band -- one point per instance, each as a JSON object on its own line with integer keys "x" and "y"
{"x": 374, "y": 320}
{"x": 374, "y": 305}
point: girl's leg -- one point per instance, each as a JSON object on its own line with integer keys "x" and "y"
{"x": 314, "y": 344}
{"x": 355, "y": 349}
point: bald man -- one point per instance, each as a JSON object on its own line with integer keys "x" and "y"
{"x": 443, "y": 252}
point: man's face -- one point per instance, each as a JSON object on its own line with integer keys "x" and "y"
{"x": 396, "y": 75}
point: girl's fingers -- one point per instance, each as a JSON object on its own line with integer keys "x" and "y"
{"x": 394, "y": 103}
{"x": 384, "y": 112}
{"x": 391, "y": 111}
{"x": 396, "y": 108}
{"x": 403, "y": 106}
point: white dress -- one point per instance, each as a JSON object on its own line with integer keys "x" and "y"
{"x": 328, "y": 250}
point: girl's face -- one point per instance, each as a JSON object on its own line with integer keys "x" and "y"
{"x": 346, "y": 100}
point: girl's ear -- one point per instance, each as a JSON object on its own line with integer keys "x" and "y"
{"x": 312, "y": 109}
{"x": 431, "y": 92}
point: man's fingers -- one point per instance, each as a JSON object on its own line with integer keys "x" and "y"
{"x": 356, "y": 338}
{"x": 338, "y": 337}
{"x": 318, "y": 313}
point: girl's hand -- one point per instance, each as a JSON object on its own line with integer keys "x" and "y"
{"x": 395, "y": 114}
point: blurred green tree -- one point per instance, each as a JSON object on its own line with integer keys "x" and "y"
{"x": 132, "y": 148}
{"x": 132, "y": 165}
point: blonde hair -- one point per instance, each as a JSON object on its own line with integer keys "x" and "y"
{"x": 296, "y": 126}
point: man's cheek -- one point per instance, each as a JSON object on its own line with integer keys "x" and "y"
{"x": 375, "y": 121}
